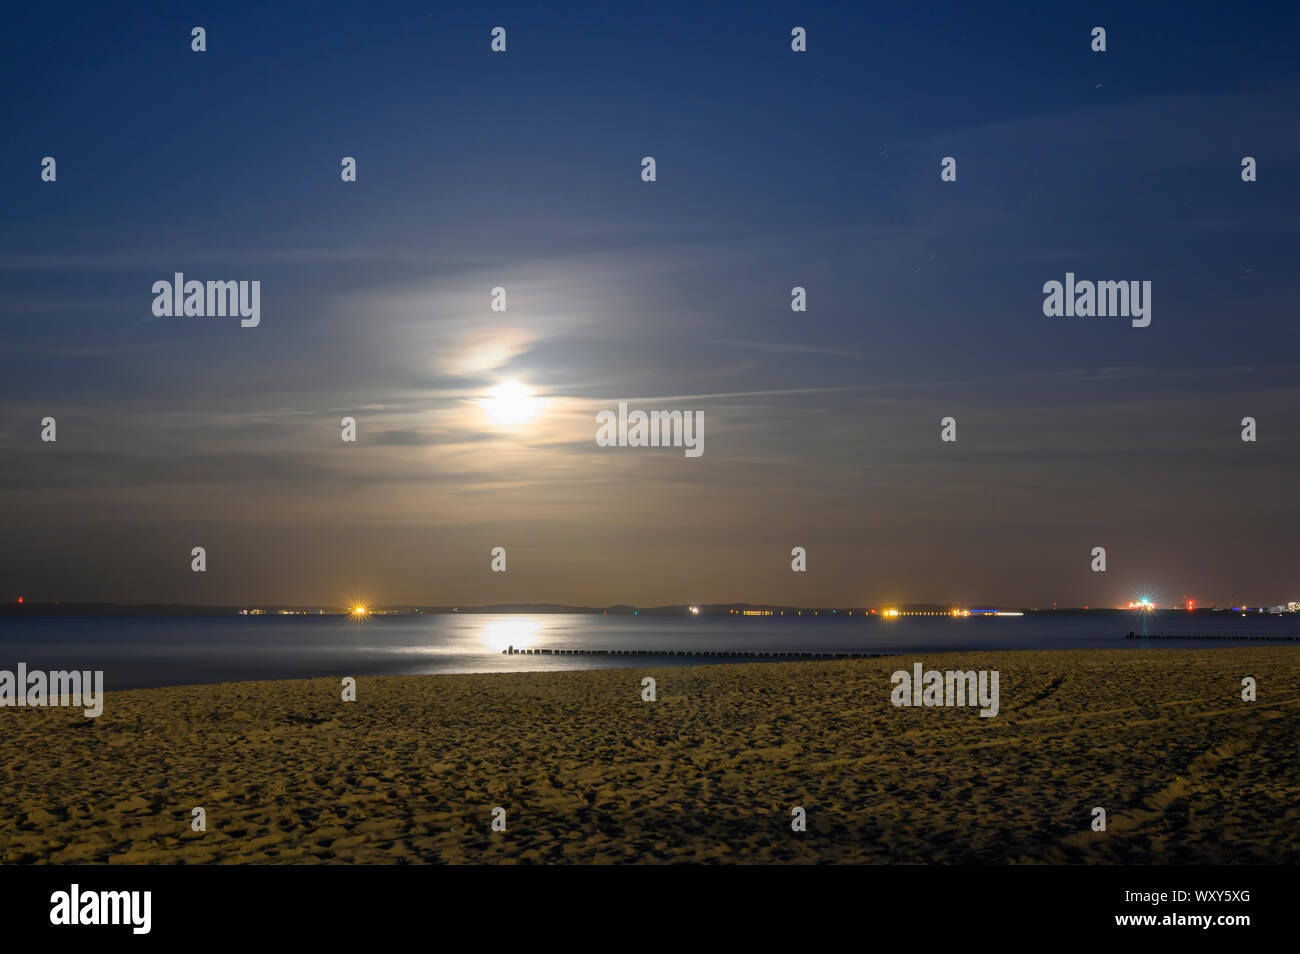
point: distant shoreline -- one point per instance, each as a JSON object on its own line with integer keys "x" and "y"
{"x": 27, "y": 610}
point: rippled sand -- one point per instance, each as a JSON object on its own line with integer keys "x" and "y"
{"x": 587, "y": 772}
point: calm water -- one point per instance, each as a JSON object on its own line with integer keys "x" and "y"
{"x": 139, "y": 653}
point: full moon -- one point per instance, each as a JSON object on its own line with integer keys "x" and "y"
{"x": 510, "y": 404}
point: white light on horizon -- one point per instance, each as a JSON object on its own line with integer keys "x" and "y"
{"x": 500, "y": 634}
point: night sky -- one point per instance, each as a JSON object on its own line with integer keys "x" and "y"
{"x": 522, "y": 169}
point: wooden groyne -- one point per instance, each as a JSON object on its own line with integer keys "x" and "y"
{"x": 705, "y": 653}
{"x": 1234, "y": 638}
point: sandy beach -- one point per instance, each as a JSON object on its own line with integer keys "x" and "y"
{"x": 587, "y": 772}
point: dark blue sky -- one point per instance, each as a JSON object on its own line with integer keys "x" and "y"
{"x": 775, "y": 169}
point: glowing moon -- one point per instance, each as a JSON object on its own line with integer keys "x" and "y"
{"x": 510, "y": 404}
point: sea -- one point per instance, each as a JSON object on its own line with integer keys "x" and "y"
{"x": 136, "y": 653}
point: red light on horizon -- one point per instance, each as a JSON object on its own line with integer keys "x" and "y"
{"x": 20, "y": 599}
